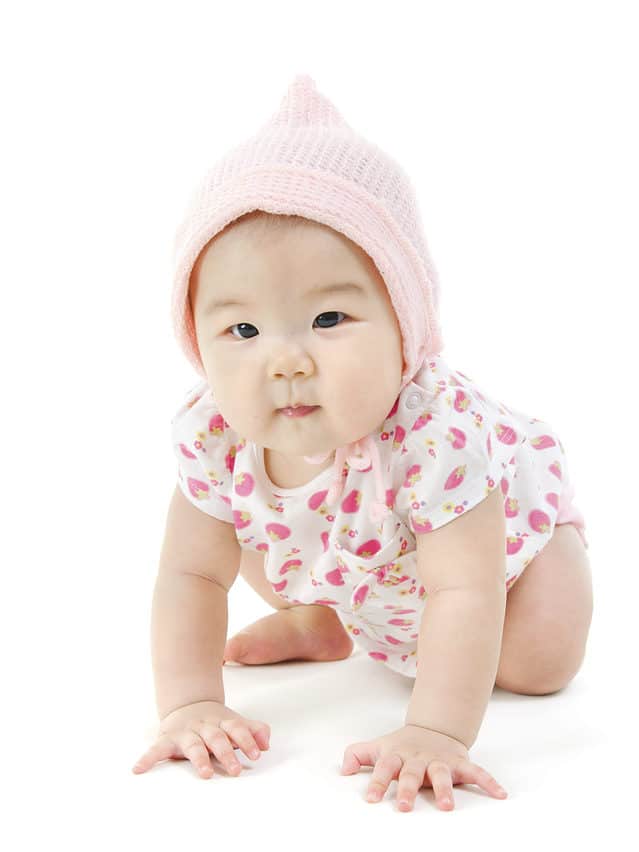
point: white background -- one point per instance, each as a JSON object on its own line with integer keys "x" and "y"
{"x": 517, "y": 123}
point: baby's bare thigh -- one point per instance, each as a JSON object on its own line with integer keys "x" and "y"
{"x": 548, "y": 615}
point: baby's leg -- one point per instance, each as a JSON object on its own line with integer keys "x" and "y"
{"x": 548, "y": 615}
{"x": 294, "y": 632}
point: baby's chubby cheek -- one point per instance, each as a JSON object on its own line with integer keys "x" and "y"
{"x": 340, "y": 424}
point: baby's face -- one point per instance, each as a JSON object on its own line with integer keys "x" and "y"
{"x": 286, "y": 344}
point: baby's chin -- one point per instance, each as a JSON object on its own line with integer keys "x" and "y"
{"x": 299, "y": 436}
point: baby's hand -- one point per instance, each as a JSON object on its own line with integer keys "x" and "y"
{"x": 417, "y": 757}
{"x": 190, "y": 732}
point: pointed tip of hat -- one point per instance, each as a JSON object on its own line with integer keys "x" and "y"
{"x": 304, "y": 105}
{"x": 303, "y": 81}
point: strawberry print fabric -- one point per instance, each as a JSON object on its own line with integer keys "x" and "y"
{"x": 444, "y": 446}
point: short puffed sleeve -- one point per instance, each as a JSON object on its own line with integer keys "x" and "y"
{"x": 204, "y": 445}
{"x": 456, "y": 452}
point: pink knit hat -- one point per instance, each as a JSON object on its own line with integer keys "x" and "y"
{"x": 307, "y": 161}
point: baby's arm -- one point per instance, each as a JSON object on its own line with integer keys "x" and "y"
{"x": 462, "y": 566}
{"x": 199, "y": 562}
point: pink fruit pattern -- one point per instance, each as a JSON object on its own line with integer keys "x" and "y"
{"x": 316, "y": 500}
{"x": 555, "y": 469}
{"x": 542, "y": 442}
{"x": 399, "y": 437}
{"x": 505, "y": 433}
{"x": 457, "y": 438}
{"x": 462, "y": 401}
{"x": 455, "y": 477}
{"x": 369, "y": 548}
{"x": 445, "y": 445}
{"x": 539, "y": 521}
{"x": 351, "y": 502}
{"x": 244, "y": 484}
{"x": 197, "y": 489}
{"x": 511, "y": 507}
{"x": 553, "y": 499}
{"x": 513, "y": 544}
{"x": 277, "y": 532}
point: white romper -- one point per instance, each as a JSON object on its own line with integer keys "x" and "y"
{"x": 444, "y": 446}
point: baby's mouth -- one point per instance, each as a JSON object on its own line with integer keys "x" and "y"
{"x": 298, "y": 410}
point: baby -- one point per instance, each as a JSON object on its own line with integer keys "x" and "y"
{"x": 324, "y": 455}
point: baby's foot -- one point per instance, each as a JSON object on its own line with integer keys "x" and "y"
{"x": 302, "y": 632}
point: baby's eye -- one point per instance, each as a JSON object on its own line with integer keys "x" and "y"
{"x": 239, "y": 325}
{"x": 248, "y": 324}
{"x": 329, "y": 314}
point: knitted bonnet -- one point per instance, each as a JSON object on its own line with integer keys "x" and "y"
{"x": 307, "y": 161}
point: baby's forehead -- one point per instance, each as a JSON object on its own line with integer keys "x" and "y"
{"x": 289, "y": 248}
{"x": 287, "y": 233}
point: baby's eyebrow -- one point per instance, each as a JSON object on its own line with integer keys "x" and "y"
{"x": 345, "y": 287}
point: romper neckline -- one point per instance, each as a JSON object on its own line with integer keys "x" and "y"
{"x": 258, "y": 455}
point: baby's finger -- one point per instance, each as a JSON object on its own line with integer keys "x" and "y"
{"x": 195, "y": 750}
{"x": 470, "y": 773}
{"x": 239, "y": 733}
{"x": 262, "y": 733}
{"x": 218, "y": 743}
{"x": 441, "y": 779}
{"x": 409, "y": 783}
{"x": 160, "y": 750}
{"x": 386, "y": 768}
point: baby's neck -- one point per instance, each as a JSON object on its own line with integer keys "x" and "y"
{"x": 289, "y": 472}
